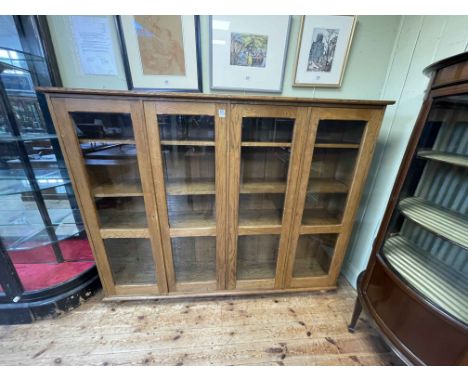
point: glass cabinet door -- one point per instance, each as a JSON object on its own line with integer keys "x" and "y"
{"x": 427, "y": 240}
{"x": 188, "y": 149}
{"x": 108, "y": 158}
{"x": 265, "y": 141}
{"x": 337, "y": 156}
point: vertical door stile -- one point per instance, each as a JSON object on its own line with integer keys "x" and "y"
{"x": 144, "y": 162}
{"x": 310, "y": 130}
{"x": 300, "y": 136}
{"x": 152, "y": 130}
{"x": 221, "y": 178}
{"x": 70, "y": 147}
{"x": 234, "y": 151}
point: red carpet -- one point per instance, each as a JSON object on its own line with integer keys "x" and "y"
{"x": 38, "y": 269}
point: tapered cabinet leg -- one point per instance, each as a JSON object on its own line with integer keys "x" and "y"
{"x": 356, "y": 314}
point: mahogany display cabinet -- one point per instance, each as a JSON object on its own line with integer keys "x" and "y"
{"x": 199, "y": 194}
{"x": 415, "y": 286}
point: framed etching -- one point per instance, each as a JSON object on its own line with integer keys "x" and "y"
{"x": 323, "y": 48}
{"x": 248, "y": 53}
{"x": 161, "y": 52}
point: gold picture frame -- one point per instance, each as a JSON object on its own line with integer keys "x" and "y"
{"x": 325, "y": 69}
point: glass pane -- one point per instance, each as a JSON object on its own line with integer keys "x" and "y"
{"x": 256, "y": 257}
{"x": 131, "y": 261}
{"x": 427, "y": 242}
{"x": 313, "y": 255}
{"x": 189, "y": 173}
{"x": 186, "y": 127}
{"x": 340, "y": 131}
{"x": 330, "y": 178}
{"x": 194, "y": 258}
{"x": 102, "y": 125}
{"x": 263, "y": 174}
{"x": 267, "y": 129}
{"x": 121, "y": 212}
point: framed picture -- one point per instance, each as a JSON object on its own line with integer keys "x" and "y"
{"x": 248, "y": 52}
{"x": 323, "y": 48}
{"x": 161, "y": 52}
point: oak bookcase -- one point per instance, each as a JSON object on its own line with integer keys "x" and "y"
{"x": 199, "y": 194}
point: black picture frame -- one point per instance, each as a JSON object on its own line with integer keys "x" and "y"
{"x": 126, "y": 62}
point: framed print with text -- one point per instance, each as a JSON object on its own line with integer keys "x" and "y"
{"x": 248, "y": 53}
{"x": 161, "y": 52}
{"x": 324, "y": 43}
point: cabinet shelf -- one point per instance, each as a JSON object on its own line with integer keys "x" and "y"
{"x": 266, "y": 144}
{"x": 187, "y": 143}
{"x": 454, "y": 159}
{"x": 192, "y": 220}
{"x": 207, "y": 187}
{"x": 441, "y": 221}
{"x": 431, "y": 277}
{"x": 123, "y": 223}
{"x": 319, "y": 216}
{"x": 259, "y": 218}
{"x": 118, "y": 190}
{"x": 108, "y": 140}
{"x": 337, "y": 145}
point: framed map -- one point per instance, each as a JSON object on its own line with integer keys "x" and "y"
{"x": 161, "y": 52}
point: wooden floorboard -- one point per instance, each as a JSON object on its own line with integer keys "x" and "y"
{"x": 295, "y": 329}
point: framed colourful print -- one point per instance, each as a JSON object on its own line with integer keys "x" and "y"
{"x": 323, "y": 47}
{"x": 161, "y": 52}
{"x": 248, "y": 52}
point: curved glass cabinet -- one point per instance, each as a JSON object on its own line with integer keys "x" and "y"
{"x": 46, "y": 261}
{"x": 415, "y": 287}
{"x": 427, "y": 240}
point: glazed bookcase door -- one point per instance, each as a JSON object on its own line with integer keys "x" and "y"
{"x": 264, "y": 152}
{"x": 337, "y": 155}
{"x": 107, "y": 154}
{"x": 188, "y": 154}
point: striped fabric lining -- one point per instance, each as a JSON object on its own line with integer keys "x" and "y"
{"x": 436, "y": 281}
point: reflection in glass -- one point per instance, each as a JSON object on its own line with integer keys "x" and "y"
{"x": 186, "y": 127}
{"x": 131, "y": 261}
{"x": 194, "y": 258}
{"x": 255, "y": 129}
{"x": 330, "y": 178}
{"x": 102, "y": 125}
{"x": 189, "y": 173}
{"x": 256, "y": 257}
{"x": 313, "y": 255}
{"x": 340, "y": 131}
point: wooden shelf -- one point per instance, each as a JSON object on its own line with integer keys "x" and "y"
{"x": 254, "y": 218}
{"x": 109, "y": 162}
{"x": 110, "y": 141}
{"x": 266, "y": 144}
{"x": 319, "y": 216}
{"x": 207, "y": 187}
{"x": 326, "y": 186}
{"x": 187, "y": 143}
{"x": 117, "y": 222}
{"x": 431, "y": 277}
{"x": 441, "y": 221}
{"x": 192, "y": 220}
{"x": 457, "y": 160}
{"x": 118, "y": 190}
{"x": 337, "y": 145}
{"x": 184, "y": 187}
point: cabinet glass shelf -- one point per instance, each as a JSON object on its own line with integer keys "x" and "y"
{"x": 455, "y": 159}
{"x": 443, "y": 222}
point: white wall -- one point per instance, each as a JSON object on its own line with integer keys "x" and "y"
{"x": 421, "y": 40}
